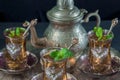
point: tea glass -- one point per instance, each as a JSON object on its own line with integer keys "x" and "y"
{"x": 15, "y": 56}
{"x": 52, "y": 70}
{"x": 99, "y": 53}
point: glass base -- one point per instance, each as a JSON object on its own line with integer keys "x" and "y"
{"x": 31, "y": 62}
{"x": 84, "y": 65}
{"x": 40, "y": 77}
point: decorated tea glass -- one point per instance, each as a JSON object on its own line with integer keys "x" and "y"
{"x": 99, "y": 52}
{"x": 54, "y": 62}
{"x": 15, "y": 56}
{"x": 99, "y": 48}
{"x": 53, "y": 70}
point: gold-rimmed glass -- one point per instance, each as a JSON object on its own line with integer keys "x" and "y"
{"x": 52, "y": 70}
{"x": 16, "y": 56}
{"x": 99, "y": 52}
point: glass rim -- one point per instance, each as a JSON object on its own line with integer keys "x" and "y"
{"x": 105, "y": 31}
{"x": 45, "y": 50}
{"x": 15, "y": 38}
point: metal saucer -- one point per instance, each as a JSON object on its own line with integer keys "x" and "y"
{"x": 32, "y": 61}
{"x": 84, "y": 66}
{"x": 40, "y": 77}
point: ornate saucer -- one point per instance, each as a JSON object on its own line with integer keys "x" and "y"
{"x": 40, "y": 77}
{"x": 84, "y": 66}
{"x": 32, "y": 61}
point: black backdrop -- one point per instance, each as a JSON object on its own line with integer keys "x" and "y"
{"x": 21, "y": 10}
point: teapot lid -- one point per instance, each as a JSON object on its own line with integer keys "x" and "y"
{"x": 65, "y": 11}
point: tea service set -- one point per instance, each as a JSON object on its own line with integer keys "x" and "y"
{"x": 64, "y": 45}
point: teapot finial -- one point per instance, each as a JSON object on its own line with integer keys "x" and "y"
{"x": 65, "y": 4}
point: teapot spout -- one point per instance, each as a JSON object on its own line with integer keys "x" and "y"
{"x": 35, "y": 40}
{"x": 40, "y": 42}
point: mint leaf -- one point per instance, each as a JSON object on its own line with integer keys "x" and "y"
{"x": 95, "y": 29}
{"x": 53, "y": 54}
{"x": 109, "y": 36}
{"x": 99, "y": 32}
{"x": 17, "y": 31}
{"x": 70, "y": 54}
{"x": 12, "y": 33}
{"x": 67, "y": 53}
{"x": 22, "y": 30}
{"x": 58, "y": 58}
{"x": 61, "y": 54}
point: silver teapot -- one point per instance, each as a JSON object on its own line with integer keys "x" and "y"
{"x": 64, "y": 27}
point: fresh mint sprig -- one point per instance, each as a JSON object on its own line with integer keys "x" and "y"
{"x": 16, "y": 32}
{"x": 12, "y": 33}
{"x": 109, "y": 36}
{"x": 99, "y": 31}
{"x": 58, "y": 55}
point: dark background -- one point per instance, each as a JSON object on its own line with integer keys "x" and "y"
{"x": 16, "y": 11}
{"x": 21, "y": 10}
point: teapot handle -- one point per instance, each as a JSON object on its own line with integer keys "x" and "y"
{"x": 86, "y": 19}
